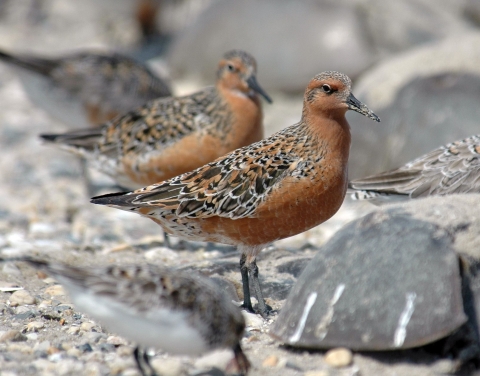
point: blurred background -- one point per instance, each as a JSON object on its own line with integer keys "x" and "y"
{"x": 416, "y": 63}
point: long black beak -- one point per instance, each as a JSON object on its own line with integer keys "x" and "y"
{"x": 253, "y": 84}
{"x": 355, "y": 105}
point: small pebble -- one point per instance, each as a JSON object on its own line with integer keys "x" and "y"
{"x": 12, "y": 336}
{"x": 48, "y": 280}
{"x": 124, "y": 351}
{"x": 94, "y": 337}
{"x": 32, "y": 336}
{"x": 444, "y": 366}
{"x": 52, "y": 350}
{"x": 87, "y": 326}
{"x": 85, "y": 348}
{"x": 117, "y": 341}
{"x": 73, "y": 330}
{"x": 253, "y": 321}
{"x": 74, "y": 352}
{"x": 218, "y": 359}
{"x": 339, "y": 357}
{"x": 168, "y": 367}
{"x": 21, "y": 297}
{"x": 42, "y": 346}
{"x": 55, "y": 290}
{"x": 35, "y": 326}
{"x": 270, "y": 361}
{"x": 316, "y": 373}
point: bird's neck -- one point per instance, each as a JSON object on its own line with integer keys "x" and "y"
{"x": 331, "y": 131}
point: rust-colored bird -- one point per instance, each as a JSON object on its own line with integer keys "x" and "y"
{"x": 170, "y": 136}
{"x": 86, "y": 89}
{"x": 449, "y": 169}
{"x": 270, "y": 190}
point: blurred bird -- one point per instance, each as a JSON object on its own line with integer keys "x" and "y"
{"x": 170, "y": 136}
{"x": 270, "y": 190}
{"x": 449, "y": 169}
{"x": 85, "y": 88}
{"x": 176, "y": 311}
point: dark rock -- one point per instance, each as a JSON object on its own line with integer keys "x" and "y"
{"x": 331, "y": 35}
{"x": 85, "y": 348}
{"x": 385, "y": 281}
{"x": 294, "y": 267}
{"x": 425, "y": 98}
{"x": 107, "y": 347}
{"x": 419, "y": 120}
{"x": 26, "y": 315}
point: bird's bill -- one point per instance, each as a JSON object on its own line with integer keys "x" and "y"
{"x": 253, "y": 84}
{"x": 355, "y": 105}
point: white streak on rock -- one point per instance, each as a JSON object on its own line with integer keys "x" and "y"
{"x": 322, "y": 328}
{"x": 306, "y": 310}
{"x": 401, "y": 331}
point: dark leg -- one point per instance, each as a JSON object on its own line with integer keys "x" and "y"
{"x": 146, "y": 358}
{"x": 240, "y": 363}
{"x": 136, "y": 355}
{"x": 262, "y": 307}
{"x": 247, "y": 303}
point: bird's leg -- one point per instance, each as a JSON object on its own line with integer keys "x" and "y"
{"x": 253, "y": 271}
{"x": 247, "y": 303}
{"x": 239, "y": 364}
{"x": 136, "y": 355}
{"x": 146, "y": 358}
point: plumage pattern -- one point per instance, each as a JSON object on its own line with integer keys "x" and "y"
{"x": 449, "y": 169}
{"x": 105, "y": 84}
{"x": 269, "y": 190}
{"x": 191, "y": 312}
{"x": 170, "y": 136}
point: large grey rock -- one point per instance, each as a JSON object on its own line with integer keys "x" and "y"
{"x": 389, "y": 280}
{"x": 425, "y": 98}
{"x": 291, "y": 40}
{"x": 396, "y": 26}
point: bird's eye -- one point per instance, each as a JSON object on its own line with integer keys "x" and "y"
{"x": 326, "y": 88}
{"x": 230, "y": 67}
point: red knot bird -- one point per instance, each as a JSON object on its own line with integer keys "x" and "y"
{"x": 275, "y": 188}
{"x": 449, "y": 169}
{"x": 85, "y": 88}
{"x": 176, "y": 311}
{"x": 170, "y": 136}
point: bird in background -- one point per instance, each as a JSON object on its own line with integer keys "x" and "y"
{"x": 176, "y": 311}
{"x": 272, "y": 189}
{"x": 85, "y": 89}
{"x": 170, "y": 136}
{"x": 453, "y": 168}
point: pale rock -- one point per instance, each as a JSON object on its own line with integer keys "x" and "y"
{"x": 168, "y": 366}
{"x": 12, "y": 336}
{"x": 55, "y": 290}
{"x": 218, "y": 358}
{"x": 87, "y": 326}
{"x": 339, "y": 357}
{"x": 35, "y": 326}
{"x": 21, "y": 297}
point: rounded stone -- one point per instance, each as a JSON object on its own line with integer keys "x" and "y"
{"x": 35, "y": 326}
{"x": 270, "y": 361}
{"x": 339, "y": 357}
{"x": 384, "y": 281}
{"x": 55, "y": 290}
{"x": 21, "y": 297}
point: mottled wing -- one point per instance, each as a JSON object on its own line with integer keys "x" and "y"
{"x": 454, "y": 168}
{"x": 231, "y": 186}
{"x": 114, "y": 83}
{"x": 158, "y": 124}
